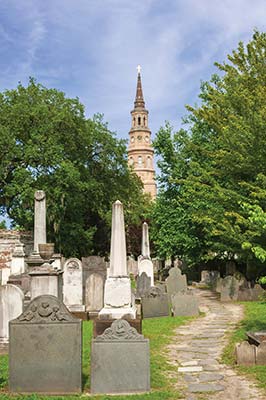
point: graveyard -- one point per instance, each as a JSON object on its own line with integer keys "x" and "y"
{"x": 133, "y": 269}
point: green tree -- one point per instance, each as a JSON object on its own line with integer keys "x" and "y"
{"x": 47, "y": 143}
{"x": 217, "y": 164}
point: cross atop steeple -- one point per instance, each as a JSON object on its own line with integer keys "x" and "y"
{"x": 139, "y": 100}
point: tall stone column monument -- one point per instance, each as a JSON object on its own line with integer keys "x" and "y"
{"x": 44, "y": 278}
{"x": 39, "y": 219}
{"x": 117, "y": 291}
{"x": 144, "y": 261}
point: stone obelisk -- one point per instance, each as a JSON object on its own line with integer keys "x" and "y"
{"x": 144, "y": 260}
{"x": 117, "y": 291}
{"x": 39, "y": 219}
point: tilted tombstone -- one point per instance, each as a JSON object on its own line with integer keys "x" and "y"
{"x": 120, "y": 361}
{"x": 184, "y": 304}
{"x": 45, "y": 349}
{"x": 72, "y": 285}
{"x": 143, "y": 284}
{"x": 176, "y": 281}
{"x": 155, "y": 303}
{"x": 11, "y": 305}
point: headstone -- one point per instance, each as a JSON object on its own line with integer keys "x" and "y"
{"x": 219, "y": 283}
{"x": 120, "y": 361}
{"x": 99, "y": 325}
{"x": 94, "y": 276}
{"x": 117, "y": 291}
{"x": 11, "y": 305}
{"x": 176, "y": 281}
{"x": 143, "y": 284}
{"x": 184, "y": 304}
{"x": 72, "y": 285}
{"x": 245, "y": 353}
{"x": 94, "y": 292}
{"x": 209, "y": 277}
{"x": 258, "y": 293}
{"x": 45, "y": 349}
{"x": 230, "y": 288}
{"x": 261, "y": 354}
{"x": 146, "y": 265}
{"x": 155, "y": 303}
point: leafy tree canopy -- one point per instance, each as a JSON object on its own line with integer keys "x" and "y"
{"x": 210, "y": 169}
{"x": 47, "y": 144}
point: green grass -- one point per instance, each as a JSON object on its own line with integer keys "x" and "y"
{"x": 158, "y": 330}
{"x": 254, "y": 320}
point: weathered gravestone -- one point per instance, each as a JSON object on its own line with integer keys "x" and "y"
{"x": 184, "y": 304}
{"x": 94, "y": 276}
{"x": 209, "y": 277}
{"x": 230, "y": 287}
{"x": 143, "y": 284}
{"x": 155, "y": 303}
{"x": 120, "y": 361}
{"x": 45, "y": 349}
{"x": 11, "y": 305}
{"x": 261, "y": 354}
{"x": 176, "y": 281}
{"x": 72, "y": 285}
{"x": 250, "y": 294}
{"x": 245, "y": 353}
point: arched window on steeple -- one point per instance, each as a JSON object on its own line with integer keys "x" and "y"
{"x": 139, "y": 121}
{"x": 134, "y": 121}
{"x": 144, "y": 121}
{"x": 139, "y": 160}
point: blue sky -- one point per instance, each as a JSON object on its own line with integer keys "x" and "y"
{"x": 90, "y": 49}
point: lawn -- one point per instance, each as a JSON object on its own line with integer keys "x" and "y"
{"x": 158, "y": 330}
{"x": 254, "y": 320}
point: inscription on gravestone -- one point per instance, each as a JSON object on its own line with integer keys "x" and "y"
{"x": 45, "y": 349}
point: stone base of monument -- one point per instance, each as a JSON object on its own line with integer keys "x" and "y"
{"x": 120, "y": 361}
{"x": 45, "y": 349}
{"x": 99, "y": 325}
{"x": 4, "y": 343}
{"x": 45, "y": 280}
{"x": 155, "y": 304}
{"x": 80, "y": 315}
{"x": 117, "y": 299}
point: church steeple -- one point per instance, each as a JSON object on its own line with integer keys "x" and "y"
{"x": 140, "y": 151}
{"x": 139, "y": 100}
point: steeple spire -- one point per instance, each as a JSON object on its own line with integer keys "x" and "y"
{"x": 139, "y": 100}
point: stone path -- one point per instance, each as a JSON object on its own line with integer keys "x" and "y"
{"x": 197, "y": 350}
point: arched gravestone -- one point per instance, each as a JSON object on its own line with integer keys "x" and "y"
{"x": 72, "y": 285}
{"x": 94, "y": 292}
{"x": 120, "y": 361}
{"x": 45, "y": 349}
{"x": 11, "y": 305}
{"x": 176, "y": 281}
